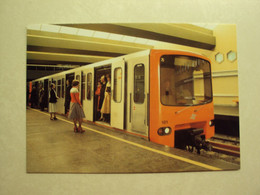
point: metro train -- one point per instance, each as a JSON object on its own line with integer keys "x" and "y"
{"x": 164, "y": 96}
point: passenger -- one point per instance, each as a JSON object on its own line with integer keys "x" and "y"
{"x": 52, "y": 102}
{"x": 102, "y": 93}
{"x": 33, "y": 97}
{"x": 76, "y": 112}
{"x": 67, "y": 98}
{"x": 41, "y": 98}
{"x": 97, "y": 94}
{"x": 105, "y": 110}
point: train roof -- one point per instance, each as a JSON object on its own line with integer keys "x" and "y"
{"x": 111, "y": 60}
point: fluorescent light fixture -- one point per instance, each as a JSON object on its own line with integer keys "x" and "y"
{"x": 68, "y": 30}
{"x": 116, "y": 37}
{"x": 128, "y": 39}
{"x": 102, "y": 35}
{"x": 152, "y": 42}
{"x": 83, "y": 32}
{"x": 141, "y": 40}
{"x": 206, "y": 25}
{"x": 50, "y": 28}
{"x": 34, "y": 27}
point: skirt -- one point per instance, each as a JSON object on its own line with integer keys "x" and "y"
{"x": 106, "y": 104}
{"x": 52, "y": 107}
{"x": 76, "y": 112}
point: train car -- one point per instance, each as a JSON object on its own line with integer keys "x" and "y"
{"x": 162, "y": 95}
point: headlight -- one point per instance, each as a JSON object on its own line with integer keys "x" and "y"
{"x": 164, "y": 131}
{"x": 211, "y": 123}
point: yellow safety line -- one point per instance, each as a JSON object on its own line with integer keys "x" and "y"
{"x": 147, "y": 148}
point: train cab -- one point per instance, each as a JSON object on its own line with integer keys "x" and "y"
{"x": 181, "y": 101}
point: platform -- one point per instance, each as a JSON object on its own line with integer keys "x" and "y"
{"x": 53, "y": 147}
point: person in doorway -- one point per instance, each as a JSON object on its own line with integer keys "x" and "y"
{"x": 52, "y": 102}
{"x": 97, "y": 94}
{"x": 67, "y": 98}
{"x": 105, "y": 110}
{"x": 76, "y": 112}
{"x": 41, "y": 98}
{"x": 102, "y": 94}
{"x": 33, "y": 97}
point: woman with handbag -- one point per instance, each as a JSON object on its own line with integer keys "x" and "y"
{"x": 52, "y": 102}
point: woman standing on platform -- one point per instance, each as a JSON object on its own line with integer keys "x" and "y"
{"x": 52, "y": 102}
{"x": 105, "y": 110}
{"x": 76, "y": 112}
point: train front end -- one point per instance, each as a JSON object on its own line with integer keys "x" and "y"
{"x": 181, "y": 100}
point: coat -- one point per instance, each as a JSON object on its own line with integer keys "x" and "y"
{"x": 106, "y": 103}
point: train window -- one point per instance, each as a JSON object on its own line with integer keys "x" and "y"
{"x": 139, "y": 83}
{"x": 78, "y": 77}
{"x": 59, "y": 88}
{"x": 117, "y": 94}
{"x": 83, "y": 87}
{"x": 184, "y": 80}
{"x": 62, "y": 87}
{"x": 89, "y": 85}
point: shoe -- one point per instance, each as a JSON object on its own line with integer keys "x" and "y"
{"x": 76, "y": 130}
{"x": 55, "y": 118}
{"x": 101, "y": 119}
{"x": 52, "y": 119}
{"x": 81, "y": 130}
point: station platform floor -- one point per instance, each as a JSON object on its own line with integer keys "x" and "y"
{"x": 53, "y": 147}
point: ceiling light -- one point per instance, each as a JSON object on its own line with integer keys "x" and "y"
{"x": 34, "y": 27}
{"x": 219, "y": 57}
{"x": 128, "y": 39}
{"x": 83, "y": 32}
{"x": 68, "y": 30}
{"x": 50, "y": 28}
{"x": 116, "y": 37}
{"x": 141, "y": 40}
{"x": 102, "y": 35}
{"x": 232, "y": 56}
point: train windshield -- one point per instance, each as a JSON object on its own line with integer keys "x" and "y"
{"x": 184, "y": 81}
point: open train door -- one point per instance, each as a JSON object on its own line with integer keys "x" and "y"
{"x": 117, "y": 94}
{"x": 88, "y": 96}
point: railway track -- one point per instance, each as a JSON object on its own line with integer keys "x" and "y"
{"x": 225, "y": 145}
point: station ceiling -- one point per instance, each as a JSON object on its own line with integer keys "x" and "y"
{"x": 82, "y": 44}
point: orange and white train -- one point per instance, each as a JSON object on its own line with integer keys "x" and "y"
{"x": 164, "y": 96}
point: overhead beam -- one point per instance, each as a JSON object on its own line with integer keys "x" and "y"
{"x": 59, "y": 40}
{"x": 171, "y": 33}
{"x": 50, "y": 62}
{"x": 31, "y": 55}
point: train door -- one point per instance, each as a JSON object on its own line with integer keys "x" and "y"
{"x": 46, "y": 95}
{"x": 117, "y": 94}
{"x": 69, "y": 77}
{"x": 138, "y": 88}
{"x": 88, "y": 97}
{"x": 100, "y": 94}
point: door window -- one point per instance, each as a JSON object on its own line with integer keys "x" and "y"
{"x": 83, "y": 86}
{"x": 89, "y": 85}
{"x": 139, "y": 83}
{"x": 117, "y": 94}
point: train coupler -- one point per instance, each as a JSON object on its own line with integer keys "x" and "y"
{"x": 191, "y": 138}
